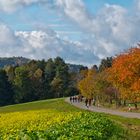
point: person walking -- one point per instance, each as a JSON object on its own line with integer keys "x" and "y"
{"x": 93, "y": 101}
{"x": 129, "y": 107}
{"x": 73, "y": 99}
{"x": 70, "y": 99}
{"x": 86, "y": 102}
{"x": 90, "y": 102}
{"x": 79, "y": 99}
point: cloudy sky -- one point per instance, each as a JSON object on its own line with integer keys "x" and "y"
{"x": 80, "y": 31}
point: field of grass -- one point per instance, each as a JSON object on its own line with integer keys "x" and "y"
{"x": 54, "y": 104}
{"x": 55, "y": 119}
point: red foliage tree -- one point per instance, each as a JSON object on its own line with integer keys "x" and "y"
{"x": 125, "y": 74}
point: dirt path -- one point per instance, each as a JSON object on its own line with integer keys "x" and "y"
{"x": 105, "y": 110}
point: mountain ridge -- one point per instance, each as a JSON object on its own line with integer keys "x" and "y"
{"x": 18, "y": 61}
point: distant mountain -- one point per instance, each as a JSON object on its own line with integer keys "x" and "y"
{"x": 13, "y": 61}
{"x": 76, "y": 68}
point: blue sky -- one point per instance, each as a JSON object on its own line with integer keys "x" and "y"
{"x": 25, "y": 18}
{"x": 88, "y": 30}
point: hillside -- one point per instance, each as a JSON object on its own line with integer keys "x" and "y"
{"x": 55, "y": 104}
{"x": 54, "y": 118}
{"x": 75, "y": 68}
{"x": 13, "y": 61}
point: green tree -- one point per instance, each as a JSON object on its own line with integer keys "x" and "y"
{"x": 105, "y": 63}
{"x": 38, "y": 85}
{"x": 10, "y": 71}
{"x": 49, "y": 76}
{"x": 6, "y": 91}
{"x": 23, "y": 86}
{"x": 50, "y": 70}
{"x": 61, "y": 74}
{"x": 57, "y": 87}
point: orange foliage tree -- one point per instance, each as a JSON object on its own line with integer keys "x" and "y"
{"x": 125, "y": 74}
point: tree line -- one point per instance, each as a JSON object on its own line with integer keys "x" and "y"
{"x": 36, "y": 80}
{"x": 117, "y": 79}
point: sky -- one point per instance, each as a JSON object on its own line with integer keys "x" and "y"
{"x": 79, "y": 31}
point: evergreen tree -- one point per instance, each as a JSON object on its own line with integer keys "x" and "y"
{"x": 61, "y": 76}
{"x": 105, "y": 63}
{"x": 6, "y": 92}
{"x": 23, "y": 85}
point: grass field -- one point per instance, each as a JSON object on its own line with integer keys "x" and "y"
{"x": 52, "y": 119}
{"x": 54, "y": 104}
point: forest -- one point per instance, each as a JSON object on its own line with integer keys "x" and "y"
{"x": 116, "y": 79}
{"x": 37, "y": 80}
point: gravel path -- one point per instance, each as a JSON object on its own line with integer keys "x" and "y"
{"x": 105, "y": 110}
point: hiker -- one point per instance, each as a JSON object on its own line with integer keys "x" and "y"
{"x": 129, "y": 107}
{"x": 76, "y": 98}
{"x": 86, "y": 102}
{"x": 73, "y": 99}
{"x": 70, "y": 99}
{"x": 90, "y": 102}
{"x": 93, "y": 101}
{"x": 79, "y": 99}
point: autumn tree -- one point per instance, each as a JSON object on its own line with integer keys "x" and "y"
{"x": 125, "y": 75}
{"x": 102, "y": 86}
{"x": 86, "y": 85}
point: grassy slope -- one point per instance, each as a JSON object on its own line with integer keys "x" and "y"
{"x": 133, "y": 125}
{"x": 55, "y": 104}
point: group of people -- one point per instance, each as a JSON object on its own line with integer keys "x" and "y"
{"x": 76, "y": 99}
{"x": 88, "y": 102}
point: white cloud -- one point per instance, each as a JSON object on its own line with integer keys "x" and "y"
{"x": 13, "y": 5}
{"x": 8, "y": 41}
{"x": 46, "y": 44}
{"x": 42, "y": 44}
{"x": 6, "y": 33}
{"x": 113, "y": 29}
{"x": 75, "y": 10}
